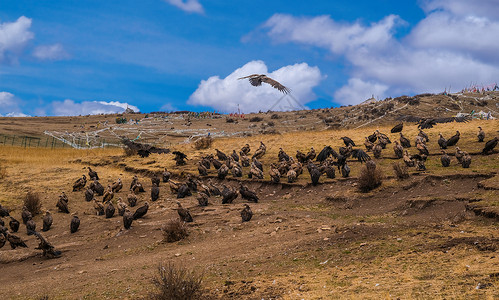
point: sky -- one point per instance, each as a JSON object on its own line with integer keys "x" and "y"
{"x": 68, "y": 57}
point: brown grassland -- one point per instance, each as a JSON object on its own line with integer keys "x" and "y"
{"x": 417, "y": 238}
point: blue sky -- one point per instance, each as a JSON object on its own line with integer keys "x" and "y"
{"x": 79, "y": 57}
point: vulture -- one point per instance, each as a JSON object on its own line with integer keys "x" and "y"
{"x": 255, "y": 171}
{"x": 234, "y": 155}
{"x": 132, "y": 199}
{"x": 121, "y": 206}
{"x": 315, "y": 174}
{"x": 15, "y": 241}
{"x": 377, "y": 150}
{"x": 282, "y": 156}
{"x": 202, "y": 169}
{"x": 397, "y": 128}
{"x": 245, "y": 161}
{"x": 490, "y": 145}
{"x": 62, "y": 206}
{"x": 237, "y": 171}
{"x": 466, "y": 160}
{"x": 283, "y": 167}
{"x": 310, "y": 155}
{"x": 368, "y": 144}
{"x": 206, "y": 162}
{"x": 166, "y": 175}
{"x": 257, "y": 79}
{"x": 174, "y": 186}
{"x": 97, "y": 187}
{"x": 419, "y": 161}
{"x": 442, "y": 142}
{"x": 179, "y": 158}
{"x": 246, "y": 213}
{"x": 459, "y": 154}
{"x": 47, "y": 221}
{"x": 155, "y": 180}
{"x": 324, "y": 154}
{"x": 99, "y": 208}
{"x": 258, "y": 164}
{"x": 89, "y": 195}
{"x": 300, "y": 156}
{"x": 108, "y": 195}
{"x": 259, "y": 153}
{"x": 75, "y": 224}
{"x": 135, "y": 179}
{"x": 404, "y": 141}
{"x": 80, "y": 183}
{"x": 221, "y": 155}
{"x": 3, "y": 240}
{"x": 228, "y": 194}
{"x": 423, "y": 150}
{"x": 348, "y": 141}
{"x": 452, "y": 141}
{"x": 4, "y": 212}
{"x": 345, "y": 170}
{"x": 138, "y": 188}
{"x": 154, "y": 192}
{"x": 184, "y": 214}
{"x": 64, "y": 197}
{"x": 117, "y": 186}
{"x": 398, "y": 149}
{"x": 14, "y": 224}
{"x": 216, "y": 163}
{"x": 183, "y": 191}
{"x": 47, "y": 248}
{"x": 247, "y": 194}
{"x": 245, "y": 150}
{"x": 423, "y": 135}
{"x": 214, "y": 190}
{"x": 203, "y": 199}
{"x": 127, "y": 219}
{"x": 424, "y": 123}
{"x": 373, "y": 137}
{"x": 481, "y": 135}
{"x": 330, "y": 172}
{"x": 141, "y": 211}
{"x": 223, "y": 171}
{"x": 26, "y": 215}
{"x": 445, "y": 159}
{"x": 109, "y": 212}
{"x": 30, "y": 227}
{"x": 275, "y": 176}
{"x": 92, "y": 174}
{"x": 382, "y": 136}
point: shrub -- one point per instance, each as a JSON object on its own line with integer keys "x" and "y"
{"x": 3, "y": 172}
{"x": 256, "y": 119}
{"x": 174, "y": 230}
{"x": 33, "y": 203}
{"x": 177, "y": 283}
{"x": 203, "y": 143}
{"x": 400, "y": 171}
{"x": 370, "y": 177}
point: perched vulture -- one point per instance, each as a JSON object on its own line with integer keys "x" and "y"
{"x": 481, "y": 135}
{"x": 75, "y": 224}
{"x": 255, "y": 171}
{"x": 258, "y": 164}
{"x": 80, "y": 183}
{"x": 202, "y": 169}
{"x": 397, "y": 128}
{"x": 155, "y": 180}
{"x": 234, "y": 155}
{"x": 237, "y": 171}
{"x": 423, "y": 135}
{"x": 466, "y": 160}
{"x": 117, "y": 186}
{"x": 47, "y": 248}
{"x": 223, "y": 171}
{"x": 4, "y": 212}
{"x": 368, "y": 144}
{"x": 377, "y": 150}
{"x": 345, "y": 170}
{"x": 445, "y": 159}
{"x": 154, "y": 192}
{"x": 97, "y": 187}
{"x": 282, "y": 156}
{"x": 203, "y": 199}
{"x": 3, "y": 240}
{"x": 490, "y": 145}
{"x": 108, "y": 195}
{"x": 26, "y": 215}
{"x": 245, "y": 161}
{"x": 47, "y": 221}
{"x": 221, "y": 155}
{"x": 257, "y": 79}
{"x": 179, "y": 158}
{"x": 132, "y": 199}
{"x": 30, "y": 227}
{"x": 423, "y": 150}
{"x": 275, "y": 176}
{"x": 452, "y": 141}
{"x": 183, "y": 191}
{"x": 92, "y": 174}
{"x": 442, "y": 142}
{"x": 127, "y": 219}
{"x": 166, "y": 175}
{"x": 14, "y": 224}
{"x": 109, "y": 209}
{"x": 121, "y": 206}
{"x": 184, "y": 214}
{"x": 245, "y": 150}
{"x": 310, "y": 155}
{"x": 398, "y": 149}
{"x": 141, "y": 211}
{"x": 15, "y": 241}
{"x": 405, "y": 142}
{"x": 246, "y": 213}
{"x": 348, "y": 141}
{"x": 315, "y": 174}
{"x": 89, "y": 195}
{"x": 228, "y": 194}
{"x": 62, "y": 206}
{"x": 247, "y": 194}
{"x": 99, "y": 208}
{"x": 407, "y": 159}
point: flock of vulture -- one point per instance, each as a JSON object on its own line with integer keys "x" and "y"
{"x": 286, "y": 166}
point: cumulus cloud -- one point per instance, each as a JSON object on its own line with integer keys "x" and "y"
{"x": 17, "y": 115}
{"x": 50, "y": 52}
{"x": 9, "y": 105}
{"x": 453, "y": 45}
{"x": 14, "y": 37}
{"x": 228, "y": 94}
{"x": 192, "y": 6}
{"x": 70, "y": 108}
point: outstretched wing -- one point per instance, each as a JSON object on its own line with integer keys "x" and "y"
{"x": 460, "y": 119}
{"x": 254, "y": 79}
{"x": 275, "y": 84}
{"x": 324, "y": 154}
{"x": 409, "y": 118}
{"x": 360, "y": 155}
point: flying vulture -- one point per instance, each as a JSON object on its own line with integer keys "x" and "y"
{"x": 257, "y": 79}
{"x": 425, "y": 123}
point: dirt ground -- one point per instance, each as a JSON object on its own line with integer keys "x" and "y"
{"x": 434, "y": 235}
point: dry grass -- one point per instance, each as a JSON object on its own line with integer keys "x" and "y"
{"x": 177, "y": 283}
{"x": 203, "y": 143}
{"x": 33, "y": 203}
{"x": 174, "y": 230}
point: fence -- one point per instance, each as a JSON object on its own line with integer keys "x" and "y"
{"x": 45, "y": 142}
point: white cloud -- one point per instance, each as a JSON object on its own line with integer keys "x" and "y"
{"x": 17, "y": 115}
{"x": 14, "y": 37}
{"x": 187, "y": 5}
{"x": 6, "y": 99}
{"x": 227, "y": 93}
{"x": 50, "y": 52}
{"x": 168, "y": 107}
{"x": 455, "y": 44}
{"x": 70, "y": 108}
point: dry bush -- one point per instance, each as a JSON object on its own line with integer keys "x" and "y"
{"x": 203, "y": 143}
{"x": 33, "y": 203}
{"x": 174, "y": 230}
{"x": 275, "y": 117}
{"x": 256, "y": 119}
{"x": 400, "y": 171}
{"x": 370, "y": 177}
{"x": 177, "y": 283}
{"x": 3, "y": 172}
